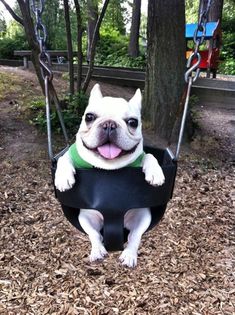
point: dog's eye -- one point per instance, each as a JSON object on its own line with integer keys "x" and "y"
{"x": 90, "y": 117}
{"x": 132, "y": 122}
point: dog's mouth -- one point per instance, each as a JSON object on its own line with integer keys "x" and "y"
{"x": 110, "y": 151}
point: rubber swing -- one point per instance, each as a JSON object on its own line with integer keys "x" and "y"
{"x": 113, "y": 193}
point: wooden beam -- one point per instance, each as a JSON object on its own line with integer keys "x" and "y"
{"x": 58, "y": 53}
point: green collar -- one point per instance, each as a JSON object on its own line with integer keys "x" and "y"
{"x": 78, "y": 162}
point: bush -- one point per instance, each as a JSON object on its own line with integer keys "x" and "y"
{"x": 72, "y": 112}
{"x": 8, "y": 45}
{"x": 227, "y": 65}
{"x": 112, "y": 50}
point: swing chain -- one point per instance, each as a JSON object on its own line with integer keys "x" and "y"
{"x": 195, "y": 58}
{"x": 37, "y": 7}
{"x": 41, "y": 35}
{"x": 193, "y": 65}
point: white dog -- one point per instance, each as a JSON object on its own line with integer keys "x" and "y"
{"x": 110, "y": 137}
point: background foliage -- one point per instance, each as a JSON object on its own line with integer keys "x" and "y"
{"x": 112, "y": 49}
{"x": 227, "y": 65}
{"x": 72, "y": 111}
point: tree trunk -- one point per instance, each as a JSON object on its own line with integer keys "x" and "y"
{"x": 164, "y": 84}
{"x": 69, "y": 47}
{"x": 92, "y": 12}
{"x": 13, "y": 14}
{"x": 93, "y": 46}
{"x": 133, "y": 48}
{"x": 215, "y": 11}
{"x": 30, "y": 35}
{"x": 79, "y": 45}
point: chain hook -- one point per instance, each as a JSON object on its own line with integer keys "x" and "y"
{"x": 37, "y": 5}
{"x": 45, "y": 62}
{"x": 193, "y": 66}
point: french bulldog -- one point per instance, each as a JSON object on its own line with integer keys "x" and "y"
{"x": 110, "y": 137}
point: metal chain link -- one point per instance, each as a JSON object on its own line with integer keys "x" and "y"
{"x": 198, "y": 38}
{"x": 193, "y": 66}
{"x": 37, "y": 7}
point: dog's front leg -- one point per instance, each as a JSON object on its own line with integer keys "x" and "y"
{"x": 152, "y": 170}
{"x": 137, "y": 222}
{"x": 64, "y": 175}
{"x": 92, "y": 222}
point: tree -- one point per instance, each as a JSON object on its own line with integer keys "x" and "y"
{"x": 133, "y": 48}
{"x": 79, "y": 44}
{"x": 3, "y": 26}
{"x": 28, "y": 24}
{"x": 164, "y": 83}
{"x": 115, "y": 16}
{"x": 215, "y": 11}
{"x": 22, "y": 14}
{"x": 26, "y": 21}
{"x": 69, "y": 46}
{"x": 53, "y": 18}
{"x": 11, "y": 11}
{"x": 93, "y": 46}
{"x": 92, "y": 17}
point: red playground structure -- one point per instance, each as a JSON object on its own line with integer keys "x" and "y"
{"x": 211, "y": 51}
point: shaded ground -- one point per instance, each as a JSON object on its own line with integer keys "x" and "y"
{"x": 186, "y": 264}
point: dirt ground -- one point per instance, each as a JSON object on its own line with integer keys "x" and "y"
{"x": 186, "y": 263}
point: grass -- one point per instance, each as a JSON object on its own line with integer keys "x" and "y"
{"x": 25, "y": 92}
{"x": 13, "y": 87}
{"x": 9, "y": 84}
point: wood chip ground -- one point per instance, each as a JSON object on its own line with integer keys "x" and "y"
{"x": 186, "y": 264}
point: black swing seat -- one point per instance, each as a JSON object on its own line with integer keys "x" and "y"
{"x": 113, "y": 193}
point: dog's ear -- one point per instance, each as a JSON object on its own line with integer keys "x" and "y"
{"x": 135, "y": 101}
{"x": 95, "y": 93}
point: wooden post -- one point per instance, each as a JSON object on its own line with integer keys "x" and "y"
{"x": 26, "y": 63}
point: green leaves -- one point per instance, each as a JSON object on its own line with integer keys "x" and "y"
{"x": 72, "y": 111}
{"x": 112, "y": 50}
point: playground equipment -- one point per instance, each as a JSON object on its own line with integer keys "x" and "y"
{"x": 114, "y": 192}
{"x": 211, "y": 49}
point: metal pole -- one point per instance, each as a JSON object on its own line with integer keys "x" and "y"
{"x": 60, "y": 116}
{"x": 182, "y": 126}
{"x": 48, "y": 117}
{"x": 193, "y": 69}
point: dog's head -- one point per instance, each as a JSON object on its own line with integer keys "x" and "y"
{"x": 110, "y": 135}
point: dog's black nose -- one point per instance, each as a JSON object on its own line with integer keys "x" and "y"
{"x": 109, "y": 126}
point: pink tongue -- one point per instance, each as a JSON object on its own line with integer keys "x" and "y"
{"x": 109, "y": 151}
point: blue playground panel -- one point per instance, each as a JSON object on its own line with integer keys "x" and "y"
{"x": 210, "y": 29}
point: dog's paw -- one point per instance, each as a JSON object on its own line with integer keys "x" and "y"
{"x": 98, "y": 253}
{"x": 64, "y": 181}
{"x": 128, "y": 258}
{"x": 155, "y": 177}
{"x": 153, "y": 172}
{"x": 64, "y": 176}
